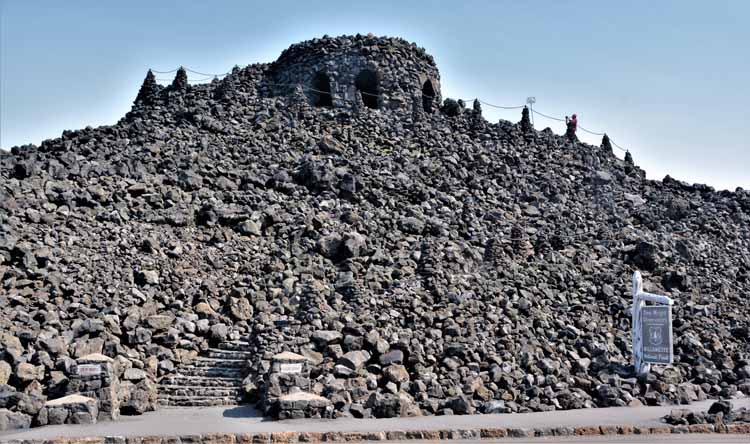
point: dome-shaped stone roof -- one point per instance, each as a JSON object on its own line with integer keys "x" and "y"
{"x": 346, "y": 71}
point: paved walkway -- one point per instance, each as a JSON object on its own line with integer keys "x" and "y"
{"x": 698, "y": 438}
{"x": 201, "y": 420}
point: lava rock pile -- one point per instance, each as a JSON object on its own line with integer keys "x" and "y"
{"x": 425, "y": 261}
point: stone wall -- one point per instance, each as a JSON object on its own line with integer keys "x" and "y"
{"x": 71, "y": 409}
{"x": 467, "y": 434}
{"x": 94, "y": 376}
{"x": 284, "y": 396}
{"x": 400, "y": 70}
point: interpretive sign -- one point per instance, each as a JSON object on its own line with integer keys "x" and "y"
{"x": 652, "y": 340}
{"x": 290, "y": 368}
{"x": 656, "y": 331}
{"x": 89, "y": 369}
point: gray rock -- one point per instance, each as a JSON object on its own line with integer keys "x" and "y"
{"x": 147, "y": 277}
{"x": 160, "y": 322}
{"x": 241, "y": 308}
{"x": 354, "y": 359}
{"x": 249, "y": 228}
{"x": 13, "y": 420}
{"x": 461, "y": 405}
{"x": 5, "y": 372}
{"x": 396, "y": 373}
{"x": 723, "y": 406}
{"x": 219, "y": 332}
{"x": 134, "y": 374}
{"x": 189, "y": 180}
{"x": 324, "y": 337}
{"x": 392, "y": 357}
{"x": 57, "y": 416}
{"x": 28, "y": 372}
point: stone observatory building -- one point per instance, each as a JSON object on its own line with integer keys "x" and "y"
{"x": 361, "y": 71}
{"x": 350, "y": 71}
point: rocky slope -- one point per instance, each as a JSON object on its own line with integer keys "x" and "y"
{"x": 427, "y": 263}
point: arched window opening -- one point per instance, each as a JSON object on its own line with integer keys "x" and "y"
{"x": 321, "y": 90}
{"x": 428, "y": 96}
{"x": 367, "y": 84}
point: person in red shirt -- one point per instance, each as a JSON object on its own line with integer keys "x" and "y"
{"x": 572, "y": 124}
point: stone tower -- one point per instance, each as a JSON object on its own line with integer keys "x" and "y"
{"x": 384, "y": 72}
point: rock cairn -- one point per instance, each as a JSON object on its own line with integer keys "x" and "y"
{"x": 425, "y": 263}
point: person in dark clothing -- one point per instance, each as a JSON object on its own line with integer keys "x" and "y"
{"x": 572, "y": 124}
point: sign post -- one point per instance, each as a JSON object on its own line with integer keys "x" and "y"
{"x": 652, "y": 328}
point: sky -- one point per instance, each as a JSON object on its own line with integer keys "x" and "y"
{"x": 667, "y": 80}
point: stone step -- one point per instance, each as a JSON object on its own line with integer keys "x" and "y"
{"x": 235, "y": 346}
{"x": 214, "y": 362}
{"x": 200, "y": 391}
{"x": 191, "y": 401}
{"x": 210, "y": 372}
{"x": 228, "y": 354}
{"x": 214, "y": 378}
{"x": 200, "y": 381}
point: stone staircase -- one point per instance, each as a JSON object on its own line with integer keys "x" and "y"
{"x": 215, "y": 378}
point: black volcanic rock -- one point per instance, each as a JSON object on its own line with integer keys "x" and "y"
{"x": 427, "y": 262}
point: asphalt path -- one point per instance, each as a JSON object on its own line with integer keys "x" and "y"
{"x": 245, "y": 419}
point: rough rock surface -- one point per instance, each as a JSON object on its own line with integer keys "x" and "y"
{"x": 720, "y": 412}
{"x": 71, "y": 409}
{"x": 425, "y": 260}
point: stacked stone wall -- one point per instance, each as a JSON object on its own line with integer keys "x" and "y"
{"x": 401, "y": 69}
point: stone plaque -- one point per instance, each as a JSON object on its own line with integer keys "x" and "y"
{"x": 656, "y": 331}
{"x": 290, "y": 368}
{"x": 89, "y": 369}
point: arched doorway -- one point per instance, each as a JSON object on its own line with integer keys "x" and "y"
{"x": 428, "y": 96}
{"x": 367, "y": 85}
{"x": 320, "y": 95}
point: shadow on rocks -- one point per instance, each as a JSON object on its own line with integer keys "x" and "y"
{"x": 242, "y": 411}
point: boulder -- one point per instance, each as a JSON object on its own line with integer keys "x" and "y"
{"x": 354, "y": 359}
{"x": 241, "y": 309}
{"x": 72, "y": 409}
{"x": 134, "y": 374}
{"x": 723, "y": 406}
{"x": 324, "y": 337}
{"x": 147, "y": 277}
{"x": 5, "y": 371}
{"x": 28, "y": 372}
{"x": 396, "y": 373}
{"x": 13, "y": 420}
{"x": 392, "y": 357}
{"x": 160, "y": 322}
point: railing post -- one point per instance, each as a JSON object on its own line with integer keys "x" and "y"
{"x": 638, "y": 303}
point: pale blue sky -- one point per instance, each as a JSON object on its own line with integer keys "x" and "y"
{"x": 667, "y": 79}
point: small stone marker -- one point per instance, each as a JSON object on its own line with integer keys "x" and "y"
{"x": 94, "y": 377}
{"x": 656, "y": 331}
{"x": 289, "y": 373}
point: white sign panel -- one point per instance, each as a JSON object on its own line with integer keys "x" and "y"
{"x": 89, "y": 370}
{"x": 652, "y": 339}
{"x": 290, "y": 368}
{"x": 656, "y": 334}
